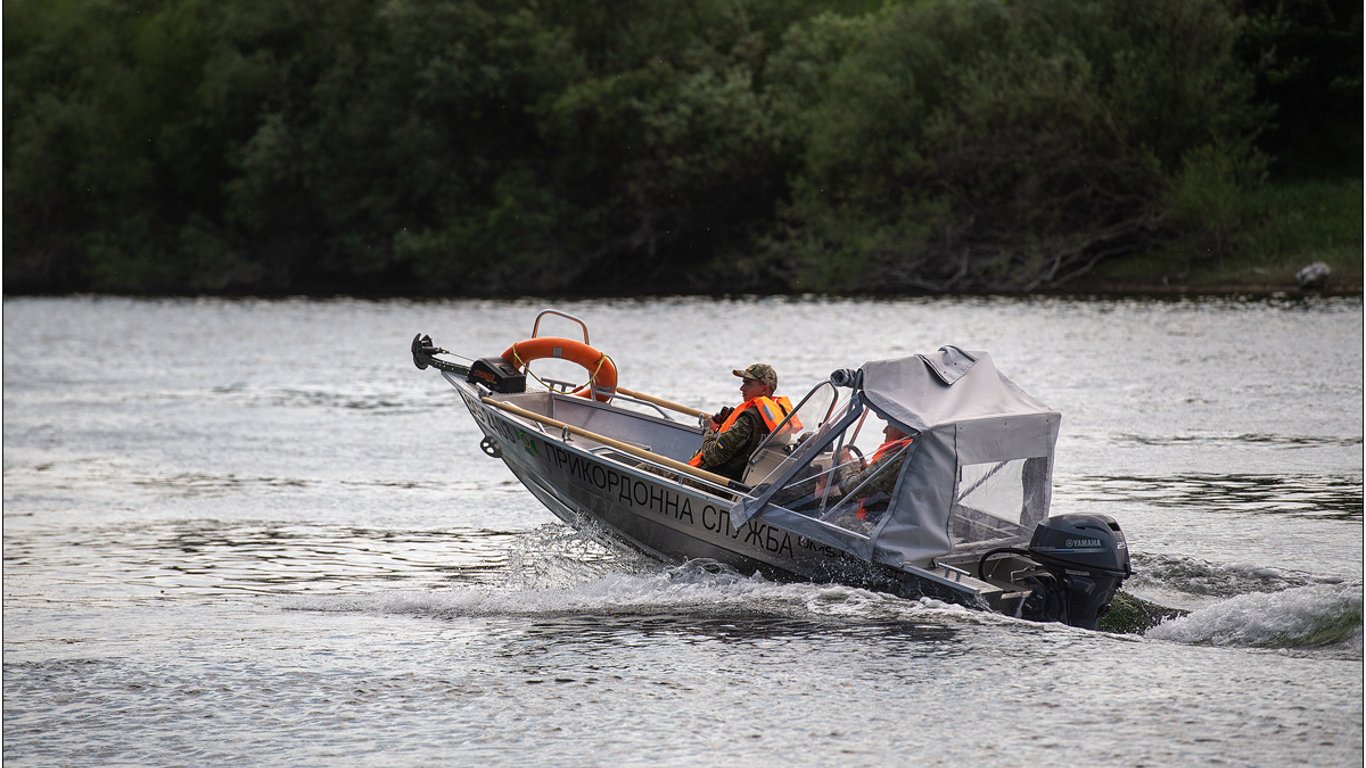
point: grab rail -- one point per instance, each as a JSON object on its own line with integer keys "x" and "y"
{"x": 671, "y": 405}
{"x": 535, "y": 327}
{"x": 956, "y": 573}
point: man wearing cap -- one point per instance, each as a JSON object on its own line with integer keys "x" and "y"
{"x": 733, "y": 434}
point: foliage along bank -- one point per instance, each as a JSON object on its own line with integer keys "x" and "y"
{"x": 486, "y": 147}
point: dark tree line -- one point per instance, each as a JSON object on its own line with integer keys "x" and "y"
{"x": 481, "y": 147}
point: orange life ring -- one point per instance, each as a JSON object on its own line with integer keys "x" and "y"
{"x": 602, "y": 372}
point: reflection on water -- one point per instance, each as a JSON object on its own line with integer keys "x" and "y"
{"x": 195, "y": 484}
{"x": 1286, "y": 441}
{"x": 1202, "y": 578}
{"x": 359, "y": 398}
{"x": 207, "y": 558}
{"x": 1310, "y": 496}
{"x": 736, "y": 630}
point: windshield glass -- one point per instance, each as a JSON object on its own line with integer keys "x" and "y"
{"x": 819, "y": 408}
{"x": 848, "y": 479}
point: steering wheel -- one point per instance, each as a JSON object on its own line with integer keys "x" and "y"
{"x": 854, "y": 452}
{"x": 857, "y": 454}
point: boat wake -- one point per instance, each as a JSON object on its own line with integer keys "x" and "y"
{"x": 700, "y": 590}
{"x": 1247, "y": 605}
{"x": 558, "y": 573}
{"x": 1320, "y": 616}
{"x": 1316, "y": 617}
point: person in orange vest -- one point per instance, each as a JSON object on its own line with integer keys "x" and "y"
{"x": 880, "y": 472}
{"x": 734, "y": 433}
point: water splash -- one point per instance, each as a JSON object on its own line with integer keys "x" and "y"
{"x": 555, "y": 555}
{"x": 1315, "y": 616}
{"x": 701, "y": 589}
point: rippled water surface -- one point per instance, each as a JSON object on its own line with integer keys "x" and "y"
{"x": 252, "y": 533}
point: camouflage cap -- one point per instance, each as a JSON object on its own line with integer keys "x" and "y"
{"x": 762, "y": 372}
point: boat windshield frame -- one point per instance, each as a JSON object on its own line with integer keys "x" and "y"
{"x": 855, "y": 407}
{"x": 781, "y": 431}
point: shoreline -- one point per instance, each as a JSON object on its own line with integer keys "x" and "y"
{"x": 1173, "y": 290}
{"x": 1077, "y": 289}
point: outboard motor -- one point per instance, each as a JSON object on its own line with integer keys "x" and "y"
{"x": 1085, "y": 559}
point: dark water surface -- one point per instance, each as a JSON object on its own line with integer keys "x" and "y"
{"x": 252, "y": 533}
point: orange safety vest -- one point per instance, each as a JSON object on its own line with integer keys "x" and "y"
{"x": 772, "y": 410}
{"x": 889, "y": 447}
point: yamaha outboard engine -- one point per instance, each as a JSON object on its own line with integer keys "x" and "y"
{"x": 1085, "y": 558}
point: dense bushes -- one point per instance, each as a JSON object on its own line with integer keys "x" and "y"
{"x": 979, "y": 144}
{"x": 492, "y": 146}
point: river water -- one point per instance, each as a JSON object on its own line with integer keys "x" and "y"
{"x": 252, "y": 533}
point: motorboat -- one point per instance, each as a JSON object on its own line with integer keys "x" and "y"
{"x": 962, "y": 517}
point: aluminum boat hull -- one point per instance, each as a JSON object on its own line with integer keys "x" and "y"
{"x": 623, "y": 502}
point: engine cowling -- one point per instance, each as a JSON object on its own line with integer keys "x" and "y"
{"x": 1087, "y": 559}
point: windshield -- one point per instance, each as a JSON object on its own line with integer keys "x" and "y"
{"x": 851, "y": 472}
{"x": 811, "y": 415}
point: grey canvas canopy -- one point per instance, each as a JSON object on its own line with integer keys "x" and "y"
{"x": 975, "y": 427}
{"x": 925, "y": 391}
{"x": 977, "y": 474}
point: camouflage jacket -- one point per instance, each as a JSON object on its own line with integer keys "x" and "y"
{"x": 728, "y": 452}
{"x": 883, "y": 475}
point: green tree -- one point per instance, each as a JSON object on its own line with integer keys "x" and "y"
{"x": 990, "y": 145}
